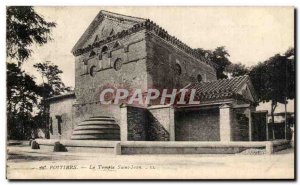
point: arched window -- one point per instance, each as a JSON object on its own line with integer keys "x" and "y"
{"x": 111, "y": 32}
{"x": 93, "y": 71}
{"x": 96, "y": 38}
{"x": 199, "y": 78}
{"x": 104, "y": 50}
{"x": 178, "y": 70}
{"x": 118, "y": 64}
{"x": 117, "y": 44}
{"x": 92, "y": 53}
{"x": 59, "y": 122}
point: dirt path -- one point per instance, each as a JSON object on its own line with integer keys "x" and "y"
{"x": 26, "y": 163}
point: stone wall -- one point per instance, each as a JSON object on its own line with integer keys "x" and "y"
{"x": 60, "y": 112}
{"x": 147, "y": 124}
{"x": 159, "y": 124}
{"x": 197, "y": 125}
{"x": 132, "y": 75}
{"x": 240, "y": 126}
{"x": 162, "y": 59}
{"x": 137, "y": 124}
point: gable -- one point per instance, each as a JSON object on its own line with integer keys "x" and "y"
{"x": 104, "y": 25}
{"x": 246, "y": 93}
{"x": 237, "y": 87}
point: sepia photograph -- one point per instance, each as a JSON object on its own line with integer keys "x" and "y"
{"x": 150, "y": 93}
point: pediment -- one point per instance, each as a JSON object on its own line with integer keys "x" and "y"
{"x": 104, "y": 25}
{"x": 247, "y": 91}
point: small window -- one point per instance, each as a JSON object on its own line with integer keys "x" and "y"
{"x": 59, "y": 122}
{"x": 199, "y": 78}
{"x": 92, "y": 54}
{"x": 118, "y": 64}
{"x": 117, "y": 44}
{"x": 85, "y": 62}
{"x": 104, "y": 50}
{"x": 93, "y": 71}
{"x": 111, "y": 32}
{"x": 96, "y": 38}
{"x": 178, "y": 70}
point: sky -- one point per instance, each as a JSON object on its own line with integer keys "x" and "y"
{"x": 250, "y": 34}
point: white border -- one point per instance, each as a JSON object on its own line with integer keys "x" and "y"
{"x": 5, "y": 3}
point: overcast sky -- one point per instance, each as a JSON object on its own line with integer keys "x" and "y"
{"x": 249, "y": 34}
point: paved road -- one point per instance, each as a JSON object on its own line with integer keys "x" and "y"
{"x": 26, "y": 163}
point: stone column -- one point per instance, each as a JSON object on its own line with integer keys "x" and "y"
{"x": 225, "y": 122}
{"x": 248, "y": 114}
{"x": 172, "y": 123}
{"x": 123, "y": 123}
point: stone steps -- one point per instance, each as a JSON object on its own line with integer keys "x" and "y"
{"x": 98, "y": 123}
{"x": 97, "y": 128}
{"x": 91, "y": 132}
{"x": 110, "y": 137}
{"x": 100, "y": 119}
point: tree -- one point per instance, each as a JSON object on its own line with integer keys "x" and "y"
{"x": 219, "y": 57}
{"x": 25, "y": 27}
{"x": 236, "y": 69}
{"x": 52, "y": 82}
{"x": 274, "y": 80}
{"x": 22, "y": 97}
{"x": 52, "y": 85}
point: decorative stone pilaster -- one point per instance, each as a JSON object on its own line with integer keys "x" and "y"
{"x": 123, "y": 123}
{"x": 172, "y": 124}
{"x": 248, "y": 115}
{"x": 225, "y": 122}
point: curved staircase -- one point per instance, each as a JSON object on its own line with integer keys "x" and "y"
{"x": 97, "y": 128}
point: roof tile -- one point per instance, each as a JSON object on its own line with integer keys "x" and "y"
{"x": 218, "y": 89}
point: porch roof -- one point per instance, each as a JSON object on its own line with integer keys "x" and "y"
{"x": 235, "y": 88}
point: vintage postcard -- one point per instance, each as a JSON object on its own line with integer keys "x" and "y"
{"x": 150, "y": 92}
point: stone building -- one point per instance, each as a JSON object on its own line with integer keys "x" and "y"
{"x": 134, "y": 53}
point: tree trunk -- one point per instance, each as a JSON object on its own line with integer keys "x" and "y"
{"x": 285, "y": 123}
{"x": 273, "y": 107}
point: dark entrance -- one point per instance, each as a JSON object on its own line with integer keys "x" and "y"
{"x": 259, "y": 126}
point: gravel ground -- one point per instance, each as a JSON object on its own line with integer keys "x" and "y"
{"x": 24, "y": 163}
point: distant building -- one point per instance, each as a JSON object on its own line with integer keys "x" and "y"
{"x": 281, "y": 128}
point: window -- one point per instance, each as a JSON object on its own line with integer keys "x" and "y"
{"x": 112, "y": 32}
{"x": 117, "y": 44}
{"x": 93, "y": 71}
{"x": 104, "y": 50}
{"x": 96, "y": 38}
{"x": 178, "y": 70}
{"x": 92, "y": 54}
{"x": 118, "y": 64}
{"x": 59, "y": 122}
{"x": 199, "y": 78}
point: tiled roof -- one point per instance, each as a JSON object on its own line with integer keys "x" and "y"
{"x": 219, "y": 89}
{"x": 62, "y": 96}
